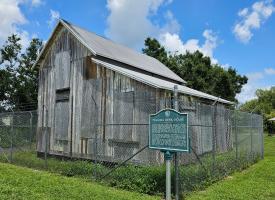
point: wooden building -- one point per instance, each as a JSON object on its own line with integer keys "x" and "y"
{"x": 95, "y": 97}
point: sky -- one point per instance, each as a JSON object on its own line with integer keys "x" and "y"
{"x": 240, "y": 34}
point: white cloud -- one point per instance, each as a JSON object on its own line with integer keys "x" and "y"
{"x": 211, "y": 42}
{"x": 36, "y": 3}
{"x": 225, "y": 66}
{"x": 128, "y": 21}
{"x": 248, "y": 90}
{"x": 247, "y": 93}
{"x": 243, "y": 12}
{"x": 172, "y": 25}
{"x": 11, "y": 16}
{"x": 54, "y": 15}
{"x": 252, "y": 18}
{"x": 255, "y": 76}
{"x": 25, "y": 39}
{"x": 269, "y": 71}
{"x": 256, "y": 80}
{"x": 153, "y": 5}
{"x": 174, "y": 44}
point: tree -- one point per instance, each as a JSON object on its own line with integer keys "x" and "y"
{"x": 251, "y": 106}
{"x": 264, "y": 104}
{"x": 10, "y": 52}
{"x": 198, "y": 71}
{"x": 18, "y": 84}
{"x": 155, "y": 50}
{"x": 9, "y": 60}
{"x": 27, "y": 80}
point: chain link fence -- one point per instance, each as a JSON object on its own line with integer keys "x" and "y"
{"x": 221, "y": 140}
{"x": 17, "y": 133}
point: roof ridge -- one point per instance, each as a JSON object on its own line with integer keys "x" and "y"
{"x": 101, "y": 46}
{"x": 126, "y": 48}
{"x": 108, "y": 39}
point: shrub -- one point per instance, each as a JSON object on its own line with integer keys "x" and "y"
{"x": 143, "y": 179}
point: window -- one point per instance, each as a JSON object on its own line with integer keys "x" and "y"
{"x": 62, "y": 94}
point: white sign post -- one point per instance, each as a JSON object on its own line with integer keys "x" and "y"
{"x": 168, "y": 157}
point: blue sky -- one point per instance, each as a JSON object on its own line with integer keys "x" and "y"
{"x": 233, "y": 33}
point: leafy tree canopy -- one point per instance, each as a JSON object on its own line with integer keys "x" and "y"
{"x": 264, "y": 104}
{"x": 18, "y": 85}
{"x": 198, "y": 71}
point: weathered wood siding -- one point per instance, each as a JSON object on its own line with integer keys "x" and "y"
{"x": 88, "y": 109}
{"x": 61, "y": 69}
{"x": 99, "y": 100}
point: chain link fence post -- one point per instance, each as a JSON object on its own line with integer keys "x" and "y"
{"x": 11, "y": 138}
{"x": 236, "y": 134}
{"x": 45, "y": 130}
{"x": 262, "y": 138}
{"x": 176, "y": 107}
{"x": 31, "y": 130}
{"x": 251, "y": 135}
{"x": 95, "y": 151}
{"x": 96, "y": 128}
{"x": 214, "y": 137}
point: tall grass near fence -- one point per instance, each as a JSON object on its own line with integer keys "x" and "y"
{"x": 143, "y": 179}
{"x": 222, "y": 141}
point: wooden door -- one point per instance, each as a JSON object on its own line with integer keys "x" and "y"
{"x": 62, "y": 108}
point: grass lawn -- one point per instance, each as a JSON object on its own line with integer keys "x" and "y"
{"x": 23, "y": 183}
{"x": 256, "y": 182}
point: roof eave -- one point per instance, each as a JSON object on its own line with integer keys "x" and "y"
{"x": 73, "y": 32}
{"x": 63, "y": 23}
{"x": 179, "y": 79}
{"x": 213, "y": 98}
{"x": 46, "y": 45}
{"x": 118, "y": 60}
{"x": 80, "y": 39}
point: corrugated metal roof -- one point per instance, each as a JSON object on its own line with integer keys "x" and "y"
{"x": 157, "y": 82}
{"x": 106, "y": 48}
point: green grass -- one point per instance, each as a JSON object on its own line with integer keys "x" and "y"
{"x": 23, "y": 183}
{"x": 143, "y": 179}
{"x": 256, "y": 182}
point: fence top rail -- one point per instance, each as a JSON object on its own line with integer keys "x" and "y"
{"x": 17, "y": 112}
{"x": 228, "y": 110}
{"x": 245, "y": 112}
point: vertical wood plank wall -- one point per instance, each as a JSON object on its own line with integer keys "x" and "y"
{"x": 98, "y": 99}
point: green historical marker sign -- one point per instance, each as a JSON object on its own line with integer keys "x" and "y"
{"x": 169, "y": 131}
